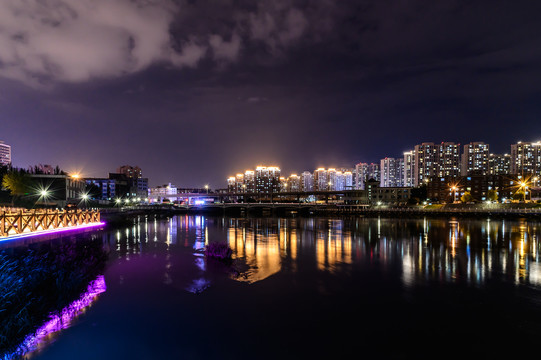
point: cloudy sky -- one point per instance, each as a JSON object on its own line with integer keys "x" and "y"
{"x": 193, "y": 91}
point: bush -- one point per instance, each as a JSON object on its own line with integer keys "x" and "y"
{"x": 220, "y": 251}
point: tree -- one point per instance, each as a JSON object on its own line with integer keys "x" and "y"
{"x": 18, "y": 183}
{"x": 467, "y": 197}
{"x": 492, "y": 195}
{"x": 418, "y": 194}
{"x": 519, "y": 195}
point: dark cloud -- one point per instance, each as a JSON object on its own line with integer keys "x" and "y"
{"x": 194, "y": 90}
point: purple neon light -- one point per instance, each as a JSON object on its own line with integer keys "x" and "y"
{"x": 53, "y": 231}
{"x": 61, "y": 320}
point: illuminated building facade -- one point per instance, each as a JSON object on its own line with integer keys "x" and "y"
{"x": 436, "y": 160}
{"x": 348, "y": 180}
{"x": 332, "y": 179}
{"x": 107, "y": 187}
{"x": 364, "y": 172}
{"x": 475, "y": 159}
{"x": 377, "y": 195}
{"x": 526, "y": 158}
{"x": 267, "y": 179}
{"x": 409, "y": 166}
{"x": 294, "y": 183}
{"x": 307, "y": 181}
{"x": 5, "y": 154}
{"x": 231, "y": 184}
{"x": 499, "y": 164}
{"x": 440, "y": 189}
{"x": 392, "y": 172}
{"x": 63, "y": 189}
{"x": 239, "y": 183}
{"x": 249, "y": 181}
{"x": 283, "y": 184}
{"x": 321, "y": 182}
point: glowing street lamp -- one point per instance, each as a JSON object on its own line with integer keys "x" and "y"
{"x": 524, "y": 187}
{"x": 207, "y": 187}
{"x": 454, "y": 190}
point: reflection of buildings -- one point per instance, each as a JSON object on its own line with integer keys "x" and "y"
{"x": 417, "y": 250}
{"x": 258, "y": 245}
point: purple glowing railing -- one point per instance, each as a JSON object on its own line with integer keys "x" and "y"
{"x": 62, "y": 320}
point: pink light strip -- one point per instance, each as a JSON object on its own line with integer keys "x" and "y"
{"x": 52, "y": 231}
{"x": 62, "y": 320}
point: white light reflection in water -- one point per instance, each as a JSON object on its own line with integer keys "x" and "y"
{"x": 425, "y": 250}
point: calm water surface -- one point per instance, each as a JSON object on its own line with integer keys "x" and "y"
{"x": 308, "y": 288}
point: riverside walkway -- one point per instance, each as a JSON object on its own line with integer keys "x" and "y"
{"x": 474, "y": 210}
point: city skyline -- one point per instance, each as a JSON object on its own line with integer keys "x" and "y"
{"x": 187, "y": 90}
{"x": 408, "y": 173}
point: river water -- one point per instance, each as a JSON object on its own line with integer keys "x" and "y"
{"x": 304, "y": 288}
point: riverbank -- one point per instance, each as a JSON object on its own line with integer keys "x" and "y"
{"x": 123, "y": 215}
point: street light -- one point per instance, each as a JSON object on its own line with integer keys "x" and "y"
{"x": 454, "y": 189}
{"x": 524, "y": 186}
{"x": 207, "y": 187}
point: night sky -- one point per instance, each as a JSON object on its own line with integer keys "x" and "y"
{"x": 195, "y": 91}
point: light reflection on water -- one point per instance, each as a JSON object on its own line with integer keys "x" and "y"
{"x": 444, "y": 250}
{"x": 428, "y": 250}
{"x": 153, "y": 258}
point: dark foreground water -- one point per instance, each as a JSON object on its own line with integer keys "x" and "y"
{"x": 297, "y": 288}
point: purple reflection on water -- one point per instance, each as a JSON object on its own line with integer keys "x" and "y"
{"x": 62, "y": 320}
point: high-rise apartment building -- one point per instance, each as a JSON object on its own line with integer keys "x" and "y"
{"x": 321, "y": 182}
{"x": 364, "y": 172}
{"x": 392, "y": 172}
{"x": 307, "y": 181}
{"x": 359, "y": 175}
{"x": 409, "y": 168}
{"x": 436, "y": 160}
{"x": 249, "y": 181}
{"x": 5, "y": 154}
{"x": 294, "y": 183}
{"x": 231, "y": 184}
{"x": 526, "y": 158}
{"x": 239, "y": 183}
{"x": 475, "y": 159}
{"x": 332, "y": 179}
{"x": 499, "y": 164}
{"x": 267, "y": 179}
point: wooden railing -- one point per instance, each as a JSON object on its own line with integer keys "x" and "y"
{"x": 20, "y": 222}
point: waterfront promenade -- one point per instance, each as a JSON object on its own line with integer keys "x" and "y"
{"x": 467, "y": 210}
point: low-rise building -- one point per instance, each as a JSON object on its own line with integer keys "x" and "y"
{"x": 451, "y": 189}
{"x": 57, "y": 189}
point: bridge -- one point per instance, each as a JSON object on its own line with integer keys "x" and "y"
{"x": 244, "y": 197}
